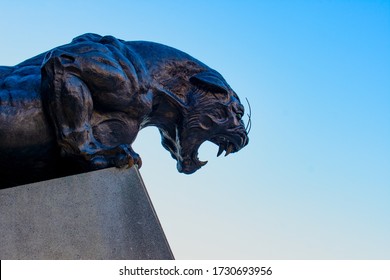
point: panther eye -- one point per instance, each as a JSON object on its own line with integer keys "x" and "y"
{"x": 239, "y": 116}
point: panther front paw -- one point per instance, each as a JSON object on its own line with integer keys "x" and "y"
{"x": 126, "y": 157}
{"x": 120, "y": 156}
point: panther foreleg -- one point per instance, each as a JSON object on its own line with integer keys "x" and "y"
{"x": 68, "y": 102}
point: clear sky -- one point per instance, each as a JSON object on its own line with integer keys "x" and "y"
{"x": 314, "y": 181}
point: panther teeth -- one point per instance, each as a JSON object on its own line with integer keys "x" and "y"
{"x": 221, "y": 149}
{"x": 203, "y": 163}
{"x": 229, "y": 149}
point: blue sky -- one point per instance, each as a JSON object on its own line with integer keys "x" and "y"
{"x": 314, "y": 181}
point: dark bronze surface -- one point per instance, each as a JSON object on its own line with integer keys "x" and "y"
{"x": 79, "y": 107}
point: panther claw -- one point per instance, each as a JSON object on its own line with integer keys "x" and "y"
{"x": 128, "y": 158}
{"x": 137, "y": 162}
{"x": 130, "y": 163}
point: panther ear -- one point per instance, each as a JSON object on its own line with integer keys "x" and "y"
{"x": 209, "y": 81}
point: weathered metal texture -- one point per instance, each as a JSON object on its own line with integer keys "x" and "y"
{"x": 80, "y": 106}
{"x": 105, "y": 214}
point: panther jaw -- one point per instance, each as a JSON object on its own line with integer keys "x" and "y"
{"x": 185, "y": 151}
{"x": 191, "y": 163}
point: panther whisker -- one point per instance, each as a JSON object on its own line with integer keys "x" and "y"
{"x": 249, "y": 124}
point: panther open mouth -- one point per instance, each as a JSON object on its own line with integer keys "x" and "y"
{"x": 189, "y": 161}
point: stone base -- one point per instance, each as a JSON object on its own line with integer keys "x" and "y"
{"x": 105, "y": 214}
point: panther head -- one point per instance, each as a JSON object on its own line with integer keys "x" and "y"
{"x": 212, "y": 111}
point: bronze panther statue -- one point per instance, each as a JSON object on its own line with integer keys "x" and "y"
{"x": 80, "y": 106}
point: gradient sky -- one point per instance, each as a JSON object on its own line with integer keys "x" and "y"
{"x": 314, "y": 181}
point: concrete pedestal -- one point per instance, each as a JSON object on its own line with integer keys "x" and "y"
{"x": 106, "y": 214}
